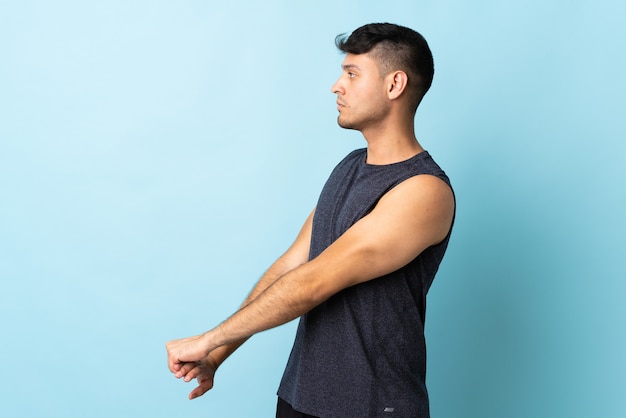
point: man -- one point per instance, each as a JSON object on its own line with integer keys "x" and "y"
{"x": 358, "y": 272}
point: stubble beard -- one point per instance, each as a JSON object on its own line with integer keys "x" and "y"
{"x": 358, "y": 123}
{"x": 346, "y": 124}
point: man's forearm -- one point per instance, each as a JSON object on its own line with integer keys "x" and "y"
{"x": 276, "y": 270}
{"x": 287, "y": 298}
{"x": 294, "y": 257}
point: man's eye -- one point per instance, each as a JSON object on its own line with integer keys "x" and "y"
{"x": 351, "y": 75}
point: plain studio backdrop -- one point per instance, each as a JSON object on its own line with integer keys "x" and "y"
{"x": 156, "y": 157}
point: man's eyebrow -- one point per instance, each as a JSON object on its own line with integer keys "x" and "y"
{"x": 350, "y": 67}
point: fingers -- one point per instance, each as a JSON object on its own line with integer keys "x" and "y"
{"x": 188, "y": 371}
{"x": 186, "y": 350}
{"x": 176, "y": 355}
{"x": 203, "y": 387}
{"x": 173, "y": 365}
{"x": 186, "y": 359}
{"x": 172, "y": 361}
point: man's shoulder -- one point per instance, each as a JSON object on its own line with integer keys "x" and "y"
{"x": 356, "y": 155}
{"x": 354, "y": 158}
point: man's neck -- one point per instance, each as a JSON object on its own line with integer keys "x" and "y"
{"x": 391, "y": 145}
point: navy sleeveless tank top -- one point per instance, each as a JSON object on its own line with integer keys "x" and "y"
{"x": 362, "y": 353}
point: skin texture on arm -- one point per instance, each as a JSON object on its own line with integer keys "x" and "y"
{"x": 295, "y": 256}
{"x": 413, "y": 216}
{"x": 204, "y": 369}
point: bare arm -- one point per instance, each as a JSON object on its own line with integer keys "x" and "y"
{"x": 295, "y": 256}
{"x": 410, "y": 218}
{"x": 204, "y": 369}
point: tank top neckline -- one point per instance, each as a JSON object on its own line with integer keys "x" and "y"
{"x": 419, "y": 155}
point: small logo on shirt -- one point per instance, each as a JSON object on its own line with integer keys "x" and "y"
{"x": 388, "y": 409}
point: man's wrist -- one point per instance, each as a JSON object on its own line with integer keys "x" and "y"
{"x": 212, "y": 339}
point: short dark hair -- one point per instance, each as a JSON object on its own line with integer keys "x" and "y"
{"x": 396, "y": 48}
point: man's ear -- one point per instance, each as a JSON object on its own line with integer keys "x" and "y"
{"x": 398, "y": 82}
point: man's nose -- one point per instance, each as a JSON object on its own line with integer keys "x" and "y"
{"x": 337, "y": 88}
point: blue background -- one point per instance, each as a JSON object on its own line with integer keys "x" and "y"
{"x": 156, "y": 157}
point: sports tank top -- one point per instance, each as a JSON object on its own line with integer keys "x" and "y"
{"x": 362, "y": 352}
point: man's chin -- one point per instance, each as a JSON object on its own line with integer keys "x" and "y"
{"x": 346, "y": 124}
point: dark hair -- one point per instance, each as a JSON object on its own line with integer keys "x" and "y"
{"x": 395, "y": 48}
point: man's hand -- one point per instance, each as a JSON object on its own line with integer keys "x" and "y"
{"x": 188, "y": 358}
{"x": 186, "y": 350}
{"x": 203, "y": 371}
